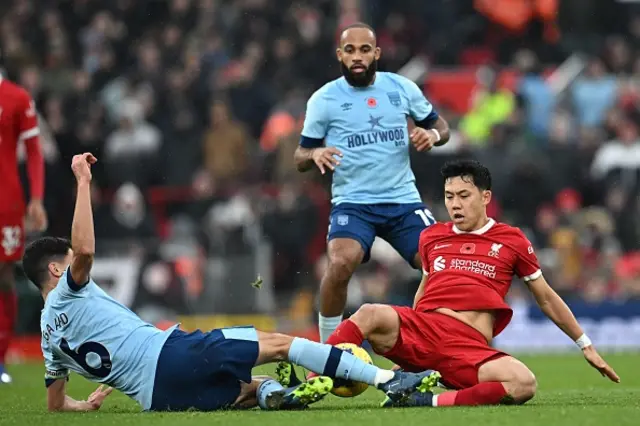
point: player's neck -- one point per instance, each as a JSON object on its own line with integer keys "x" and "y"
{"x": 45, "y": 291}
{"x": 482, "y": 224}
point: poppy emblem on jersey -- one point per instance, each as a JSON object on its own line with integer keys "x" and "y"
{"x": 342, "y": 220}
{"x": 394, "y": 98}
{"x": 495, "y": 250}
{"x": 372, "y": 102}
{"x": 468, "y": 248}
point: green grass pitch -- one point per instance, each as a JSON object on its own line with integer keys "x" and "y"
{"x": 570, "y": 393}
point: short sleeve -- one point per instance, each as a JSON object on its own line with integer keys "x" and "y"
{"x": 419, "y": 107}
{"x": 67, "y": 287}
{"x": 315, "y": 122}
{"x": 54, "y": 370}
{"x": 527, "y": 266}
{"x": 28, "y": 119}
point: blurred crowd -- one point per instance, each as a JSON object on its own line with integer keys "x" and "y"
{"x": 194, "y": 109}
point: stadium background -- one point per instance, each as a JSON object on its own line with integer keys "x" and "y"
{"x": 194, "y": 109}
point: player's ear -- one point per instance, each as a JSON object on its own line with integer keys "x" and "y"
{"x": 377, "y": 53}
{"x": 486, "y": 197}
{"x": 339, "y": 54}
{"x": 56, "y": 269}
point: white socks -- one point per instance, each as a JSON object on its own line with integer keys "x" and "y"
{"x": 383, "y": 376}
{"x": 327, "y": 326}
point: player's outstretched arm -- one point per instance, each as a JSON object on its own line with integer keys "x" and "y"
{"x": 58, "y": 400}
{"x": 83, "y": 240}
{"x": 557, "y": 311}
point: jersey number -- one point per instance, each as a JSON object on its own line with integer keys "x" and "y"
{"x": 426, "y": 216}
{"x": 80, "y": 357}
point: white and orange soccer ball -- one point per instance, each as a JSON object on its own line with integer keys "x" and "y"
{"x": 348, "y": 388}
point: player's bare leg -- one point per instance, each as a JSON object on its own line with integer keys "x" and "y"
{"x": 8, "y": 307}
{"x": 344, "y": 256}
{"x": 504, "y": 380}
{"x": 518, "y": 381}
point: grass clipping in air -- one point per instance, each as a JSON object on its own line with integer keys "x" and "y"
{"x": 257, "y": 283}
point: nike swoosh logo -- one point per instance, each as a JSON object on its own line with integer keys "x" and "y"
{"x": 441, "y": 246}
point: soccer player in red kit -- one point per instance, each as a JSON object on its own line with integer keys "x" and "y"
{"x": 459, "y": 307}
{"x": 18, "y": 124}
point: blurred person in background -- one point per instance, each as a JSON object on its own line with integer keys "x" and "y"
{"x": 226, "y": 146}
{"x": 593, "y": 94}
{"x": 491, "y": 104}
{"x": 131, "y": 151}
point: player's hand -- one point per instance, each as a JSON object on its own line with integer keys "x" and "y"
{"x": 325, "y": 158}
{"x": 36, "y": 219}
{"x": 423, "y": 139}
{"x": 596, "y": 361}
{"x": 98, "y": 396}
{"x": 81, "y": 166}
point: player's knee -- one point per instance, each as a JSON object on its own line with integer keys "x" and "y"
{"x": 369, "y": 317}
{"x": 523, "y": 386}
{"x": 275, "y": 345}
{"x": 342, "y": 267}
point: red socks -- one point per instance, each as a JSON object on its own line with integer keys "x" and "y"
{"x": 347, "y": 332}
{"x": 8, "y": 311}
{"x": 486, "y": 393}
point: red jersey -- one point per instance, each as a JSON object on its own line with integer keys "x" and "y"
{"x": 472, "y": 271}
{"x": 18, "y": 122}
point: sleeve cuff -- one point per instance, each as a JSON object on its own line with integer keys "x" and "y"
{"x": 537, "y": 274}
{"x": 429, "y": 120}
{"x": 28, "y": 134}
{"x": 425, "y": 272}
{"x": 71, "y": 282}
{"x": 50, "y": 376}
{"x": 307, "y": 142}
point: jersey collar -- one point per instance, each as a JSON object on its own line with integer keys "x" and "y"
{"x": 480, "y": 231}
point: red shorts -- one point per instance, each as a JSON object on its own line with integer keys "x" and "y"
{"x": 430, "y": 340}
{"x": 11, "y": 237}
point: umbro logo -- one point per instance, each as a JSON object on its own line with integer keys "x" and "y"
{"x": 346, "y": 106}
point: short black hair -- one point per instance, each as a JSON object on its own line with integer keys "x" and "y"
{"x": 39, "y": 253}
{"x": 480, "y": 175}
{"x": 359, "y": 25}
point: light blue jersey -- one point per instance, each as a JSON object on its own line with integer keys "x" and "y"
{"x": 369, "y": 126}
{"x": 86, "y": 331}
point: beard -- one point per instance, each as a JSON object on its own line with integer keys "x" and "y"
{"x": 362, "y": 79}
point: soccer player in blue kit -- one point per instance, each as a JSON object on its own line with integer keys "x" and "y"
{"x": 356, "y": 126}
{"x": 87, "y": 332}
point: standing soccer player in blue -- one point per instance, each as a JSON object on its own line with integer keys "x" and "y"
{"x": 356, "y": 126}
{"x": 86, "y": 331}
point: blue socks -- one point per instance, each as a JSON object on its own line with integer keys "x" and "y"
{"x": 265, "y": 389}
{"x": 328, "y": 360}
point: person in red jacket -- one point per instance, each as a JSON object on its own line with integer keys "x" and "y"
{"x": 18, "y": 124}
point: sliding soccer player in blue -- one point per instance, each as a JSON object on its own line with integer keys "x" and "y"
{"x": 356, "y": 126}
{"x": 86, "y": 331}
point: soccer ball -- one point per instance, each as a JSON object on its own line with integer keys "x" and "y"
{"x": 348, "y": 388}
